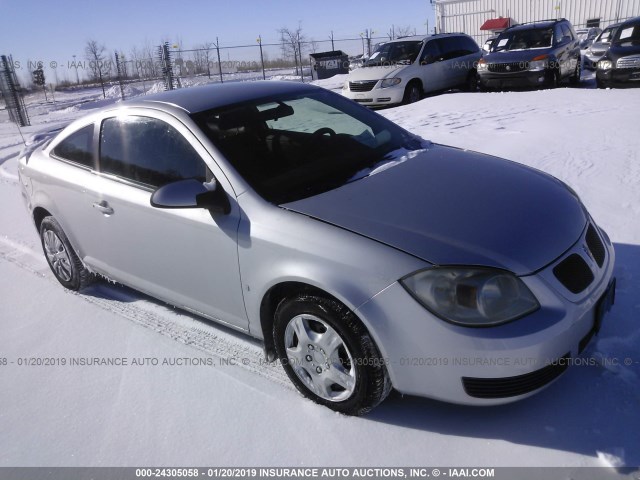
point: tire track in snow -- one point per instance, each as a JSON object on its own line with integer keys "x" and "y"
{"x": 175, "y": 324}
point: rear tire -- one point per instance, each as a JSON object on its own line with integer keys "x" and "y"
{"x": 62, "y": 259}
{"x": 329, "y": 355}
{"x": 413, "y": 93}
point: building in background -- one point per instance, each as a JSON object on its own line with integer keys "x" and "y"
{"x": 482, "y": 18}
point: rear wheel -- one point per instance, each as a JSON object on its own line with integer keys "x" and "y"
{"x": 328, "y": 354}
{"x": 413, "y": 93}
{"x": 62, "y": 259}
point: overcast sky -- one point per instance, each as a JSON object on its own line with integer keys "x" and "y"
{"x": 55, "y": 31}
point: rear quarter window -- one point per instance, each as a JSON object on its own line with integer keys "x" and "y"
{"x": 77, "y": 147}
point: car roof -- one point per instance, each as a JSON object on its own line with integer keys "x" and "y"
{"x": 631, "y": 21}
{"x": 419, "y": 38}
{"x": 535, "y": 25}
{"x": 207, "y": 97}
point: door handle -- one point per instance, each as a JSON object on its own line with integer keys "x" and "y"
{"x": 103, "y": 207}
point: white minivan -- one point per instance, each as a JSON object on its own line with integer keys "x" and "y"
{"x": 402, "y": 70}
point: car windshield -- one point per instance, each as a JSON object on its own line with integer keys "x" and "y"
{"x": 605, "y": 36}
{"x": 395, "y": 52}
{"x": 295, "y": 146}
{"x": 524, "y": 39}
{"x": 628, "y": 35}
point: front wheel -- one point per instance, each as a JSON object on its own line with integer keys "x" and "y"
{"x": 553, "y": 79}
{"x": 328, "y": 354}
{"x": 62, "y": 259}
{"x": 413, "y": 93}
{"x": 577, "y": 74}
{"x": 471, "y": 84}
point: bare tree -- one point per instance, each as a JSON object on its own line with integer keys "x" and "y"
{"x": 292, "y": 42}
{"x": 203, "y": 57}
{"x": 403, "y": 31}
{"x": 95, "y": 54}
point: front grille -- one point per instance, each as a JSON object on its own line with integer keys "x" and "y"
{"x": 513, "y": 67}
{"x": 514, "y": 386}
{"x": 632, "y": 61}
{"x": 574, "y": 273}
{"x": 595, "y": 245}
{"x": 362, "y": 86}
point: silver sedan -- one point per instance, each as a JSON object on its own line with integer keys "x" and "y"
{"x": 365, "y": 257}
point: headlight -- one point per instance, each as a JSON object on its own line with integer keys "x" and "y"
{"x": 390, "y": 82}
{"x": 538, "y": 63}
{"x": 604, "y": 65}
{"x": 473, "y": 296}
{"x": 483, "y": 66}
{"x": 537, "y": 66}
{"x": 346, "y": 85}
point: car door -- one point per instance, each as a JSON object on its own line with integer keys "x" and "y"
{"x": 564, "y": 48}
{"x": 187, "y": 257}
{"x": 453, "y": 70}
{"x": 74, "y": 180}
{"x": 431, "y": 67}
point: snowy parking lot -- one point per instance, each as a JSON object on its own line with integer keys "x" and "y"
{"x": 188, "y": 392}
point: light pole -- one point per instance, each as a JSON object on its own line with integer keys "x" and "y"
{"x": 76, "y": 65}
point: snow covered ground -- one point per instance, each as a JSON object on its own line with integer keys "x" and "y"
{"x": 247, "y": 413}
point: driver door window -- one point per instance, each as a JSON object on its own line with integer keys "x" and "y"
{"x": 430, "y": 54}
{"x": 148, "y": 151}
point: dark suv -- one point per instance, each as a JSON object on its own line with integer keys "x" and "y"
{"x": 532, "y": 55}
{"x": 621, "y": 64}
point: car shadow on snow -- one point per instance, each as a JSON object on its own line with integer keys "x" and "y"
{"x": 591, "y": 410}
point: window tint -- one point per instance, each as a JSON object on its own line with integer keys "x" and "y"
{"x": 148, "y": 151}
{"x": 566, "y": 31}
{"x": 468, "y": 46}
{"x": 458, "y": 46}
{"x": 77, "y": 147}
{"x": 449, "y": 48}
{"x": 430, "y": 53}
{"x": 557, "y": 32}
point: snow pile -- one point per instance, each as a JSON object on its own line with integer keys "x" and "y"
{"x": 334, "y": 83}
{"x": 71, "y": 416}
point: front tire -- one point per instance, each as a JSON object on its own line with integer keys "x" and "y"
{"x": 413, "y": 93}
{"x": 577, "y": 74}
{"x": 328, "y": 354}
{"x": 471, "y": 85}
{"x": 553, "y": 79}
{"x": 62, "y": 259}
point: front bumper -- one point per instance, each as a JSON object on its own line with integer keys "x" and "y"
{"x": 619, "y": 77}
{"x": 377, "y": 97}
{"x": 428, "y": 357}
{"x": 591, "y": 61}
{"x": 524, "y": 79}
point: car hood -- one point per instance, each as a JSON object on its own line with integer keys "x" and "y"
{"x": 448, "y": 206}
{"x": 374, "y": 73}
{"x": 599, "y": 48}
{"x": 623, "y": 50}
{"x": 516, "y": 55}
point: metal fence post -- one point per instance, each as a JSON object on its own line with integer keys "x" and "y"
{"x": 219, "y": 64}
{"x": 264, "y": 76}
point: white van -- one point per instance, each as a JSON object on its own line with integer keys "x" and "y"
{"x": 403, "y": 70}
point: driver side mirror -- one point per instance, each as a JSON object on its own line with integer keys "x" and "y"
{"x": 192, "y": 194}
